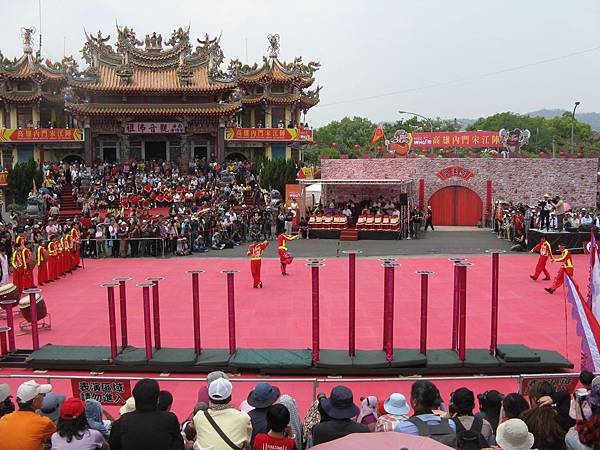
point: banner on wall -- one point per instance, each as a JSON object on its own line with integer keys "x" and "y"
{"x": 403, "y": 141}
{"x": 107, "y": 392}
{"x": 268, "y": 134}
{"x": 23, "y": 135}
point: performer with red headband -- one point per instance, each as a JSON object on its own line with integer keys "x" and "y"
{"x": 285, "y": 257}
{"x": 566, "y": 265}
{"x": 255, "y": 253}
{"x": 545, "y": 251}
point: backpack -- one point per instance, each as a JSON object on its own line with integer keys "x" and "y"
{"x": 471, "y": 439}
{"x": 440, "y": 432}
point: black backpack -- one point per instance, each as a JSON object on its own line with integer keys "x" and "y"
{"x": 440, "y": 432}
{"x": 471, "y": 439}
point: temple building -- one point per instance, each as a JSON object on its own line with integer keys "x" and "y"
{"x": 154, "y": 99}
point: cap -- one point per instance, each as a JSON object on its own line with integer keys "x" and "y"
{"x": 4, "y": 392}
{"x": 30, "y": 390}
{"x": 215, "y": 375}
{"x": 220, "y": 389}
{"x": 128, "y": 407}
{"x": 72, "y": 408}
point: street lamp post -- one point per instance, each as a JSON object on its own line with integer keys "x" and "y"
{"x": 573, "y": 127}
{"x": 425, "y": 118}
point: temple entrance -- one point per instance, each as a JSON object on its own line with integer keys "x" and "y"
{"x": 155, "y": 150}
{"x": 456, "y": 206}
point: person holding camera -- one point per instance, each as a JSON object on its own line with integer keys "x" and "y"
{"x": 588, "y": 429}
{"x": 546, "y": 206}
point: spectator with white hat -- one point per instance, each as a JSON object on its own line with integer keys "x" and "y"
{"x": 397, "y": 410}
{"x": 221, "y": 427}
{"x": 514, "y": 435}
{"x": 25, "y": 429}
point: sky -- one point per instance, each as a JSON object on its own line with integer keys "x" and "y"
{"x": 446, "y": 58}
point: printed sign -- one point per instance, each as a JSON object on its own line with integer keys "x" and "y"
{"x": 154, "y": 128}
{"x": 3, "y": 178}
{"x": 403, "y": 141}
{"x": 106, "y": 392}
{"x": 455, "y": 171}
{"x": 41, "y": 135}
{"x": 268, "y": 134}
{"x": 561, "y": 383}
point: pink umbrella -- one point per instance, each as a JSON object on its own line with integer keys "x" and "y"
{"x": 382, "y": 441}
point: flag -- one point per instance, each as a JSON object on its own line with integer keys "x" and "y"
{"x": 34, "y": 187}
{"x": 593, "y": 297}
{"x": 588, "y": 328}
{"x": 378, "y": 134}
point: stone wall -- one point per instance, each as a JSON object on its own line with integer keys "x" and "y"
{"x": 523, "y": 180}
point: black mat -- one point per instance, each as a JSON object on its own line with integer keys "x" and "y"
{"x": 443, "y": 359}
{"x": 479, "y": 357}
{"x": 173, "y": 357}
{"x": 370, "y": 359}
{"x": 408, "y": 357}
{"x": 212, "y": 357}
{"x": 70, "y": 355}
{"x": 132, "y": 356}
{"x": 334, "y": 359}
{"x": 252, "y": 358}
{"x": 513, "y": 353}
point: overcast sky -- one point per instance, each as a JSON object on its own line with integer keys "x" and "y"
{"x": 448, "y": 58}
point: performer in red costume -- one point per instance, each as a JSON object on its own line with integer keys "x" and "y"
{"x": 52, "y": 259}
{"x": 255, "y": 253}
{"x": 42, "y": 263}
{"x": 545, "y": 252}
{"x": 17, "y": 268}
{"x": 566, "y": 265}
{"x": 28, "y": 265}
{"x": 76, "y": 247}
{"x": 285, "y": 257}
{"x": 60, "y": 266}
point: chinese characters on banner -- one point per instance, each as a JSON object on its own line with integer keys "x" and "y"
{"x": 562, "y": 383}
{"x": 3, "y": 178}
{"x": 268, "y": 134}
{"x": 41, "y": 135}
{"x": 454, "y": 171}
{"x": 154, "y": 128}
{"x": 105, "y": 391}
{"x": 457, "y": 139}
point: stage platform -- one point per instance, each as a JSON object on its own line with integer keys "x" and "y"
{"x": 574, "y": 240}
{"x": 376, "y": 235}
{"x": 274, "y": 323}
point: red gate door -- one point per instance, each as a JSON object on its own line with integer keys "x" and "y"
{"x": 457, "y": 206}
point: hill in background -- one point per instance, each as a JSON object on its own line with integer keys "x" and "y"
{"x": 592, "y": 119}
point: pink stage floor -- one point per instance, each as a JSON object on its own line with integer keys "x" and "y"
{"x": 279, "y": 314}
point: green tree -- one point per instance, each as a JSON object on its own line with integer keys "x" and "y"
{"x": 276, "y": 173}
{"x": 20, "y": 180}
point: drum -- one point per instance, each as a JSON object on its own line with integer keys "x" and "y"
{"x": 288, "y": 258}
{"x": 25, "y": 307}
{"x": 9, "y": 292}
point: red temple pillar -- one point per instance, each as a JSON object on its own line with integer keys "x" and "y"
{"x": 488, "y": 200}
{"x": 421, "y": 194}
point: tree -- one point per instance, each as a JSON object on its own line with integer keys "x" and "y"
{"x": 20, "y": 180}
{"x": 276, "y": 173}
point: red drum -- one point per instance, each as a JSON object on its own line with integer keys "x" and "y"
{"x": 25, "y": 307}
{"x": 288, "y": 258}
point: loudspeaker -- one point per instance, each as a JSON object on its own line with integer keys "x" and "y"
{"x": 403, "y": 199}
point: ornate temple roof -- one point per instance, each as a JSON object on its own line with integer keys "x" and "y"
{"x": 117, "y": 109}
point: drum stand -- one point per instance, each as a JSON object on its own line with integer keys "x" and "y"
{"x": 43, "y": 324}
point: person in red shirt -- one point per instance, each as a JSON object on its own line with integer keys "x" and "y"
{"x": 278, "y": 420}
{"x": 285, "y": 257}
{"x": 52, "y": 259}
{"x": 545, "y": 251}
{"x": 255, "y": 253}
{"x": 28, "y": 264}
{"x": 566, "y": 265}
{"x": 42, "y": 263}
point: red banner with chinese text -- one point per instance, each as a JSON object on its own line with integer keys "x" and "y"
{"x": 107, "y": 392}
{"x": 456, "y": 139}
{"x": 41, "y": 135}
{"x": 268, "y": 134}
{"x": 454, "y": 171}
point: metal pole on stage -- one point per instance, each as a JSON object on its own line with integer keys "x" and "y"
{"x": 494, "y": 319}
{"x": 196, "y": 308}
{"x": 147, "y": 319}
{"x": 123, "y": 309}
{"x": 424, "y": 297}
{"x": 112, "y": 319}
{"x": 314, "y": 266}
{"x": 231, "y": 308}
{"x": 462, "y": 324}
{"x": 388, "y": 345}
{"x": 455, "y": 304}
{"x": 352, "y": 300}
{"x": 156, "y": 310}
{"x": 34, "y": 316}
{"x": 386, "y": 303}
{"x": 3, "y": 348}
{"x": 10, "y": 323}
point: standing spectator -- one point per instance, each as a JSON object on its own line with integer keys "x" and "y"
{"x": 278, "y": 419}
{"x": 73, "y": 431}
{"x": 289, "y": 220}
{"x": 24, "y": 429}
{"x": 397, "y": 410}
{"x": 221, "y": 421}
{"x": 340, "y": 409}
{"x": 514, "y": 435}
{"x": 260, "y": 398}
{"x": 429, "y": 219}
{"x": 368, "y": 412}
{"x": 559, "y": 210}
{"x": 588, "y": 430}
{"x": 303, "y": 224}
{"x": 6, "y": 404}
{"x": 146, "y": 427}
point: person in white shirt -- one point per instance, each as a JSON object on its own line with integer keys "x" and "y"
{"x": 5, "y": 276}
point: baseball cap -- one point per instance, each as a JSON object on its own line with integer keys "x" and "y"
{"x": 220, "y": 389}
{"x": 30, "y": 390}
{"x": 4, "y": 392}
{"x": 72, "y": 408}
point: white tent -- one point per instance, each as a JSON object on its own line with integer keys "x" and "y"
{"x": 313, "y": 194}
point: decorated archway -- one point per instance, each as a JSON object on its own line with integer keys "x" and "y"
{"x": 456, "y": 206}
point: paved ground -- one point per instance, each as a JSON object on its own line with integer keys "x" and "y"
{"x": 440, "y": 242}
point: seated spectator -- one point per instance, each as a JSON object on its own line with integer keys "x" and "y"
{"x": 520, "y": 244}
{"x": 340, "y": 409}
{"x": 490, "y": 404}
{"x": 203, "y": 398}
{"x": 222, "y": 420}
{"x": 514, "y": 435}
{"x": 146, "y": 427}
{"x": 513, "y": 406}
{"x": 368, "y": 412}
{"x": 51, "y": 406}
{"x": 165, "y": 401}
{"x": 73, "y": 431}
{"x": 588, "y": 430}
{"x": 424, "y": 395}
{"x": 469, "y": 429}
{"x": 261, "y": 398}
{"x": 93, "y": 413}
{"x": 295, "y": 422}
{"x": 314, "y": 416}
{"x": 397, "y": 410}
{"x": 128, "y": 407}
{"x": 278, "y": 419}
{"x": 24, "y": 429}
{"x": 6, "y": 404}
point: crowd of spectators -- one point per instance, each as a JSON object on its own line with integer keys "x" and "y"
{"x": 267, "y": 420}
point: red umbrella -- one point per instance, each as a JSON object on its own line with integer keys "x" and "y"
{"x": 382, "y": 441}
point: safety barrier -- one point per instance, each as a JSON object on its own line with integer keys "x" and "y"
{"x": 103, "y": 247}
